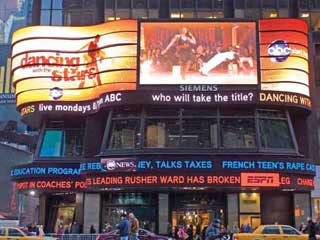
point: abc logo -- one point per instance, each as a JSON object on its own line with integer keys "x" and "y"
{"x": 279, "y": 51}
{"x": 111, "y": 165}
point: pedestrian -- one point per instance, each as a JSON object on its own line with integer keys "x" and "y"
{"x": 235, "y": 229}
{"x": 248, "y": 228}
{"x": 182, "y": 235}
{"x": 214, "y": 229}
{"x": 123, "y": 227}
{"x": 134, "y": 227}
{"x": 60, "y": 229}
{"x": 302, "y": 227}
{"x": 92, "y": 230}
{"x": 175, "y": 232}
{"x": 311, "y": 229}
{"x": 203, "y": 234}
{"x": 317, "y": 225}
{"x": 242, "y": 228}
{"x": 169, "y": 230}
{"x": 66, "y": 229}
{"x": 190, "y": 232}
{"x": 75, "y": 228}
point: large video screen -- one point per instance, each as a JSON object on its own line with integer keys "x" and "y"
{"x": 198, "y": 53}
{"x": 74, "y": 63}
{"x": 284, "y": 55}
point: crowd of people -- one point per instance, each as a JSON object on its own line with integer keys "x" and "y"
{"x": 129, "y": 229}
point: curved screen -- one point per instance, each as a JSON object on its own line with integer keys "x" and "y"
{"x": 73, "y": 63}
{"x": 78, "y": 70}
{"x": 284, "y": 55}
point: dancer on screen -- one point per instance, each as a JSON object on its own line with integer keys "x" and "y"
{"x": 94, "y": 54}
{"x": 185, "y": 40}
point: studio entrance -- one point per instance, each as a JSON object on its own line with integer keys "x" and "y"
{"x": 195, "y": 210}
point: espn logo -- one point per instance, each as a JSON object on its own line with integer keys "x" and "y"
{"x": 260, "y": 180}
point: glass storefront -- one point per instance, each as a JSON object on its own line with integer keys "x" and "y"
{"x": 197, "y": 210}
{"x": 143, "y": 205}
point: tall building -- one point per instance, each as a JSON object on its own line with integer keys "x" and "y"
{"x": 179, "y": 111}
{"x": 16, "y": 144}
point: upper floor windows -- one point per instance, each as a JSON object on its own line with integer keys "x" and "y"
{"x": 124, "y": 9}
{"x": 62, "y": 140}
{"x": 68, "y": 12}
{"x": 201, "y": 129}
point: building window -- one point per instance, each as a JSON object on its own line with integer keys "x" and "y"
{"x": 125, "y": 9}
{"x": 274, "y": 130}
{"x": 237, "y": 133}
{"x": 200, "y": 129}
{"x": 315, "y": 4}
{"x": 125, "y": 134}
{"x": 62, "y": 142}
{"x": 164, "y": 133}
{"x": 51, "y": 12}
{"x": 196, "y": 9}
{"x": 67, "y": 12}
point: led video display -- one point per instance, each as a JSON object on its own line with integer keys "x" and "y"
{"x": 74, "y": 63}
{"x": 198, "y": 53}
{"x": 284, "y": 55}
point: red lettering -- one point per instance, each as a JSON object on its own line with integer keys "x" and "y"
{"x": 305, "y": 182}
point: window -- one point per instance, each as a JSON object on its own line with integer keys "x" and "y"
{"x": 204, "y": 3}
{"x": 252, "y": 4}
{"x": 62, "y": 142}
{"x": 162, "y": 133}
{"x": 274, "y": 130}
{"x": 189, "y": 128}
{"x": 125, "y": 134}
{"x": 283, "y": 4}
{"x": 239, "y": 4}
{"x": 237, "y": 133}
{"x": 304, "y": 4}
{"x": 218, "y": 4}
{"x": 289, "y": 230}
{"x": 67, "y": 12}
{"x": 269, "y": 4}
{"x": 271, "y": 230}
{"x": 123, "y": 4}
{"x": 187, "y": 4}
{"x": 199, "y": 133}
{"x": 314, "y": 4}
{"x": 51, "y": 12}
{"x": 14, "y": 232}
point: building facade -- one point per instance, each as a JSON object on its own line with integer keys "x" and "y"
{"x": 196, "y": 110}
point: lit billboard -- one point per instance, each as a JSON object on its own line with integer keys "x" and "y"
{"x": 78, "y": 70}
{"x": 174, "y": 53}
{"x": 284, "y": 55}
{"x": 73, "y": 63}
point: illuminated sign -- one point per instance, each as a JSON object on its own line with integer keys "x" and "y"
{"x": 260, "y": 180}
{"x": 185, "y": 52}
{"x": 120, "y": 164}
{"x": 284, "y": 55}
{"x": 79, "y": 70}
{"x": 170, "y": 180}
{"x": 73, "y": 63}
{"x": 148, "y": 165}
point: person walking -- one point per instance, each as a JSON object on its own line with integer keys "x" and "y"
{"x": 123, "y": 227}
{"x": 134, "y": 227}
{"x": 311, "y": 229}
{"x": 92, "y": 230}
{"x": 214, "y": 230}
